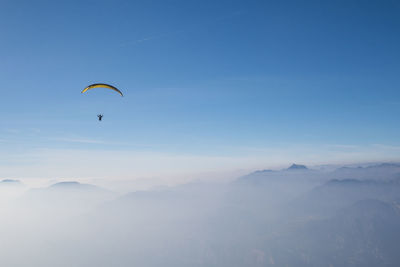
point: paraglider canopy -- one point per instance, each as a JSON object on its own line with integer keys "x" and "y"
{"x": 104, "y": 85}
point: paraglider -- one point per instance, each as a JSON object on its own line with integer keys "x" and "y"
{"x": 103, "y": 85}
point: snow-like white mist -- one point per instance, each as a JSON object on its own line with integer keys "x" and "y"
{"x": 348, "y": 216}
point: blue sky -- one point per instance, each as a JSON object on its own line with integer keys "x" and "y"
{"x": 264, "y": 83}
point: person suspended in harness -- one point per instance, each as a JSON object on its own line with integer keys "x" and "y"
{"x": 100, "y": 116}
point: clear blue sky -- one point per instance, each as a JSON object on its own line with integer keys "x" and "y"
{"x": 201, "y": 78}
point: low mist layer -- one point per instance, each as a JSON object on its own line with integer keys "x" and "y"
{"x": 349, "y": 216}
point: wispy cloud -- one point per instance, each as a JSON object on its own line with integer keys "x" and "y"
{"x": 13, "y": 131}
{"x": 86, "y": 140}
{"x": 21, "y": 131}
{"x": 151, "y": 37}
{"x": 386, "y": 147}
{"x": 193, "y": 27}
{"x": 342, "y": 146}
{"x": 79, "y": 140}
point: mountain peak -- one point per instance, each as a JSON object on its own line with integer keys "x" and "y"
{"x": 73, "y": 185}
{"x": 66, "y": 184}
{"x": 297, "y": 167}
{"x": 10, "y": 181}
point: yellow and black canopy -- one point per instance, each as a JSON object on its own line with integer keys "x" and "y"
{"x": 104, "y": 85}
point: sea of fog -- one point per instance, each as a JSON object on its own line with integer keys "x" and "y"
{"x": 348, "y": 216}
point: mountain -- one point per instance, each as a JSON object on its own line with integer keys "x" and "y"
{"x": 10, "y": 182}
{"x": 382, "y": 171}
{"x": 75, "y": 186}
{"x": 64, "y": 198}
{"x": 269, "y": 186}
{"x": 290, "y": 168}
{"x": 294, "y": 171}
{"x": 336, "y": 194}
{"x": 263, "y": 171}
{"x": 297, "y": 167}
{"x": 175, "y": 203}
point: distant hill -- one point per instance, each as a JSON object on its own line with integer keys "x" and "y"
{"x": 382, "y": 171}
{"x": 295, "y": 173}
{"x": 73, "y": 185}
{"x": 66, "y": 197}
{"x": 10, "y": 182}
{"x": 262, "y": 171}
{"x": 335, "y": 194}
{"x": 290, "y": 168}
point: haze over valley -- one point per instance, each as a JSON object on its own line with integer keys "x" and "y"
{"x": 348, "y": 216}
